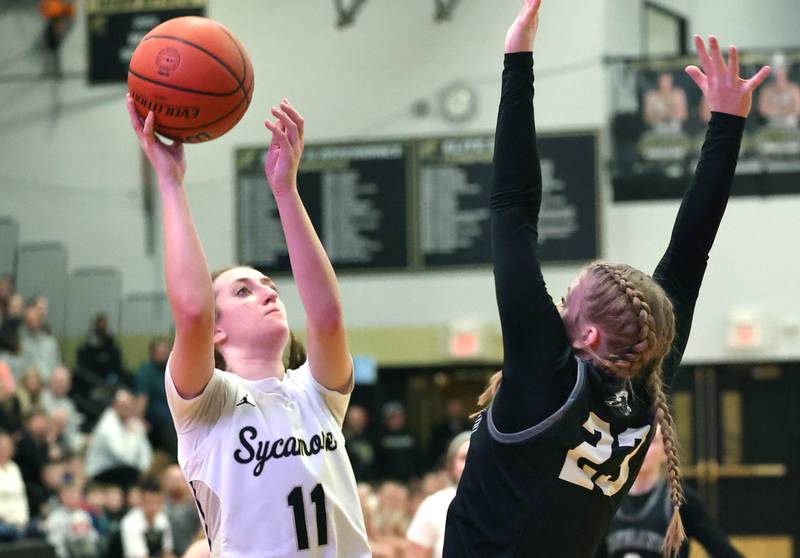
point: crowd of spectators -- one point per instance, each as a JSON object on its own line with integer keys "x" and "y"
{"x": 88, "y": 455}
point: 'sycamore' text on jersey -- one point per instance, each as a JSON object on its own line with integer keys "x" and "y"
{"x": 266, "y": 463}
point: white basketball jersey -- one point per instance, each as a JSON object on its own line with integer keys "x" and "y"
{"x": 266, "y": 462}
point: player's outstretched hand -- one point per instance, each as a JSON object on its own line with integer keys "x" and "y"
{"x": 521, "y": 34}
{"x": 285, "y": 150}
{"x": 720, "y": 83}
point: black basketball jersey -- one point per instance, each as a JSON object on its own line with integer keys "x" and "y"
{"x": 552, "y": 489}
{"x": 638, "y": 528}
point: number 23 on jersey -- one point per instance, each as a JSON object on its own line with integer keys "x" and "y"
{"x": 588, "y": 455}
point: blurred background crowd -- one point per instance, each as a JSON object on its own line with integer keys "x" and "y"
{"x": 88, "y": 459}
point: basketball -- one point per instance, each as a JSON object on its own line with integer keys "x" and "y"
{"x": 194, "y": 75}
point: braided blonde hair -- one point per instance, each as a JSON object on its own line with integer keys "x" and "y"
{"x": 637, "y": 323}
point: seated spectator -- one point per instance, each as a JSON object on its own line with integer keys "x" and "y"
{"x": 39, "y": 346}
{"x": 454, "y": 423}
{"x": 149, "y": 384}
{"x": 13, "y": 501}
{"x": 146, "y": 531}
{"x": 115, "y": 510}
{"x": 11, "y": 350}
{"x": 12, "y": 313}
{"x": 6, "y": 290}
{"x": 56, "y": 397}
{"x": 61, "y": 446}
{"x": 379, "y": 545}
{"x": 54, "y": 475}
{"x": 398, "y": 456}
{"x": 10, "y": 407}
{"x": 118, "y": 450}
{"x": 94, "y": 503}
{"x": 179, "y": 508}
{"x": 426, "y": 532}
{"x": 358, "y": 443}
{"x": 30, "y": 390}
{"x": 99, "y": 352}
{"x": 391, "y": 515}
{"x": 33, "y": 453}
{"x": 69, "y": 527}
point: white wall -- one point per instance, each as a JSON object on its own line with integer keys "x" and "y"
{"x": 75, "y": 177}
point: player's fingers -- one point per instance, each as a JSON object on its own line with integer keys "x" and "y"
{"x": 288, "y": 124}
{"x": 716, "y": 54}
{"x": 295, "y": 116}
{"x": 702, "y": 53}
{"x": 279, "y": 136}
{"x": 149, "y": 135}
{"x": 759, "y": 78}
{"x": 697, "y": 76}
{"x": 136, "y": 120}
{"x": 733, "y": 61}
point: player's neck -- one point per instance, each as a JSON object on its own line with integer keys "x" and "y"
{"x": 645, "y": 481}
{"x": 255, "y": 367}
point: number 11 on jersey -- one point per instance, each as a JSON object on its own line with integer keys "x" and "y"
{"x": 297, "y": 503}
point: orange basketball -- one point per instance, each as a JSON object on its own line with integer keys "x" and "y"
{"x": 194, "y": 75}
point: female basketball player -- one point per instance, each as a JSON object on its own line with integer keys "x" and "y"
{"x": 638, "y": 528}
{"x": 581, "y": 386}
{"x": 261, "y": 446}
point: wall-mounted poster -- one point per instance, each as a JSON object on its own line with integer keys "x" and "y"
{"x": 659, "y": 121}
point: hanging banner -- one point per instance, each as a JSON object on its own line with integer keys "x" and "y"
{"x": 659, "y": 121}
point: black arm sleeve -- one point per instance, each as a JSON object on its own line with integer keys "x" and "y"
{"x": 680, "y": 272}
{"x": 534, "y": 338}
{"x": 703, "y": 529}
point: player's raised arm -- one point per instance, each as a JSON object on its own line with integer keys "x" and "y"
{"x": 326, "y": 341}
{"x": 188, "y": 282}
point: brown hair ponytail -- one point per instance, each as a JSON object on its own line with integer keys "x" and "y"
{"x": 675, "y": 532}
{"x": 293, "y": 358}
{"x": 488, "y": 394}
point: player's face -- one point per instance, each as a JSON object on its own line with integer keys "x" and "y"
{"x": 248, "y": 308}
{"x": 570, "y": 299}
{"x": 655, "y": 456}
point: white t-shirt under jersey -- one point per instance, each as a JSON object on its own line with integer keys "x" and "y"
{"x": 427, "y": 527}
{"x": 267, "y": 466}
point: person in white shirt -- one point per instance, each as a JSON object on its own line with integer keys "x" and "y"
{"x": 69, "y": 528}
{"x": 38, "y": 345}
{"x": 260, "y": 443}
{"x": 426, "y": 532}
{"x": 118, "y": 450}
{"x": 145, "y": 530}
{"x": 13, "y": 501}
{"x": 56, "y": 398}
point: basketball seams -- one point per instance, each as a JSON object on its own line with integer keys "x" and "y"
{"x": 216, "y": 51}
{"x": 242, "y": 57}
{"x": 180, "y": 88}
{"x": 216, "y": 58}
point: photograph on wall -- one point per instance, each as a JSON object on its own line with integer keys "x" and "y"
{"x": 659, "y": 119}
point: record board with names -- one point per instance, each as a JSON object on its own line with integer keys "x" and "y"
{"x": 455, "y": 179}
{"x": 356, "y": 195}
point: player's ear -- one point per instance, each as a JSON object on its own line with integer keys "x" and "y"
{"x": 219, "y": 335}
